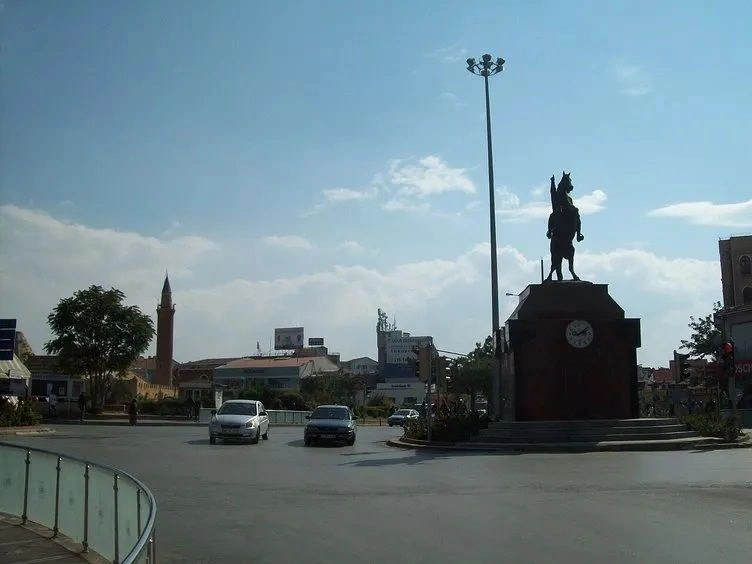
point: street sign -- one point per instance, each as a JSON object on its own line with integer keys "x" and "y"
{"x": 7, "y": 338}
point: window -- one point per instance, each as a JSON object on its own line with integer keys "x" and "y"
{"x": 745, "y": 265}
{"x": 747, "y": 296}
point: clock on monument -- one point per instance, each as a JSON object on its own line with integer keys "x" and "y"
{"x": 579, "y": 333}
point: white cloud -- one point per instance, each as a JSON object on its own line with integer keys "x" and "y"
{"x": 347, "y": 194}
{"x": 522, "y": 213}
{"x": 404, "y": 188}
{"x": 44, "y": 259}
{"x": 405, "y": 205}
{"x": 352, "y": 246}
{"x": 507, "y": 199}
{"x": 708, "y": 213}
{"x": 539, "y": 190}
{"x": 452, "y": 98}
{"x": 429, "y": 177}
{"x": 450, "y": 54}
{"x": 631, "y": 80}
{"x": 288, "y": 242}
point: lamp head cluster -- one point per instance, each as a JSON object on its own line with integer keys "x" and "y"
{"x": 486, "y": 66}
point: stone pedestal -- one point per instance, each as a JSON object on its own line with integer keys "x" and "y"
{"x": 545, "y": 377}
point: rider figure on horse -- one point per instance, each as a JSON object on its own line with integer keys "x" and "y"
{"x": 563, "y": 224}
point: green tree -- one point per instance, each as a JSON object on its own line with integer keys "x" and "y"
{"x": 472, "y": 373}
{"x": 97, "y": 336}
{"x": 705, "y": 336}
{"x": 330, "y": 387}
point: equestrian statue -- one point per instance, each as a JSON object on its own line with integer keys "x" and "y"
{"x": 563, "y": 225}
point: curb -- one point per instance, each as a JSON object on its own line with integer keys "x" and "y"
{"x": 704, "y": 443}
{"x": 30, "y": 430}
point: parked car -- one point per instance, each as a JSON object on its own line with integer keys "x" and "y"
{"x": 239, "y": 420}
{"x": 330, "y": 423}
{"x": 402, "y": 416}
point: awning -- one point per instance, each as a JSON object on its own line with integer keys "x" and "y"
{"x": 14, "y": 369}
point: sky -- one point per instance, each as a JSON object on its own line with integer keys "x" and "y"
{"x": 306, "y": 163}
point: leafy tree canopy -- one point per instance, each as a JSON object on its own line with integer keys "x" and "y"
{"x": 96, "y": 335}
{"x": 705, "y": 336}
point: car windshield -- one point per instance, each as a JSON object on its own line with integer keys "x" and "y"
{"x": 238, "y": 409}
{"x": 330, "y": 413}
{"x": 403, "y": 412}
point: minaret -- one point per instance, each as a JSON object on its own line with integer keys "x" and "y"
{"x": 165, "y": 315}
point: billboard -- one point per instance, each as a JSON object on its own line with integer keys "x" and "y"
{"x": 288, "y": 338}
{"x": 316, "y": 342}
{"x": 7, "y": 338}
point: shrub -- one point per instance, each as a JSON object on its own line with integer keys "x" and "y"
{"x": 712, "y": 425}
{"x": 20, "y": 415}
{"x": 293, "y": 401}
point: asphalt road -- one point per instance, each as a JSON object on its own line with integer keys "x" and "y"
{"x": 279, "y": 501}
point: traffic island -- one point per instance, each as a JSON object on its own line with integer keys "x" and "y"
{"x": 704, "y": 443}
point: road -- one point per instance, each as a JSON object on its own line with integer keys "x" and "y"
{"x": 279, "y": 501}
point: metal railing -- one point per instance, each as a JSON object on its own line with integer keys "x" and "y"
{"x": 104, "y": 509}
{"x": 287, "y": 417}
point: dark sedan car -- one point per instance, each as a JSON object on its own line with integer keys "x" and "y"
{"x": 330, "y": 423}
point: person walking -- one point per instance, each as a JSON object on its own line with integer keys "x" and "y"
{"x": 82, "y": 405}
{"x": 133, "y": 411}
{"x": 53, "y": 404}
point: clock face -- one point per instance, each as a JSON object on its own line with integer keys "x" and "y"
{"x": 579, "y": 333}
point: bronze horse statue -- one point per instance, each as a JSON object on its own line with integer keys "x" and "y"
{"x": 563, "y": 224}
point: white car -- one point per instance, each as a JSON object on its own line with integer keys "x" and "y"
{"x": 239, "y": 420}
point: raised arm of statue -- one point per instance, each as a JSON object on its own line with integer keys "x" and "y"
{"x": 553, "y": 194}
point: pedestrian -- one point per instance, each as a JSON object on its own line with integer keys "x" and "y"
{"x": 197, "y": 408}
{"x": 189, "y": 407}
{"x": 133, "y": 411}
{"x": 82, "y": 405}
{"x": 53, "y": 404}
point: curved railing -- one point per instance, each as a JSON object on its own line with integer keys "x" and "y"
{"x": 104, "y": 509}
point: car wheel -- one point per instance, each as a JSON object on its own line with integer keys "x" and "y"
{"x": 351, "y": 442}
{"x": 307, "y": 441}
{"x": 255, "y": 439}
{"x": 265, "y": 436}
{"x": 212, "y": 440}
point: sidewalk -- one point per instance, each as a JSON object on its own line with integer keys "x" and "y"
{"x": 28, "y": 430}
{"x": 33, "y": 543}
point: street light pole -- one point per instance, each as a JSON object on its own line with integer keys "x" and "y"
{"x": 487, "y": 68}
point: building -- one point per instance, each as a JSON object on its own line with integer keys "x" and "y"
{"x": 46, "y": 377}
{"x": 195, "y": 378}
{"x": 736, "y": 316}
{"x": 397, "y": 354}
{"x": 281, "y": 372}
{"x": 736, "y": 271}
{"x": 165, "y": 332}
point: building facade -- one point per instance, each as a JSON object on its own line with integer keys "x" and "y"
{"x": 736, "y": 270}
{"x": 274, "y": 372}
{"x": 397, "y": 354}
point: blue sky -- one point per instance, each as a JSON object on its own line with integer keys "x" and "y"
{"x": 305, "y": 163}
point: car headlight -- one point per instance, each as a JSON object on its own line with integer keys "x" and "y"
{"x": 250, "y": 424}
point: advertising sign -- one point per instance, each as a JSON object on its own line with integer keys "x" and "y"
{"x": 288, "y": 338}
{"x": 316, "y": 342}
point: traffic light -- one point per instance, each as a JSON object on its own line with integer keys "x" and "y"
{"x": 682, "y": 368}
{"x": 727, "y": 356}
{"x": 417, "y": 368}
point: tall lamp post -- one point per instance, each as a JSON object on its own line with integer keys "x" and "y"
{"x": 487, "y": 68}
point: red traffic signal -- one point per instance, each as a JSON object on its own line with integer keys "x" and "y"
{"x": 727, "y": 347}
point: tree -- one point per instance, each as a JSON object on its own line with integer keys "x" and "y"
{"x": 705, "y": 336}
{"x": 330, "y": 387}
{"x": 97, "y": 336}
{"x": 472, "y": 373}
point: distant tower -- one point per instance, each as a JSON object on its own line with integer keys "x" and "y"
{"x": 165, "y": 317}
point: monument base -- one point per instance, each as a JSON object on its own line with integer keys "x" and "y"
{"x": 570, "y": 354}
